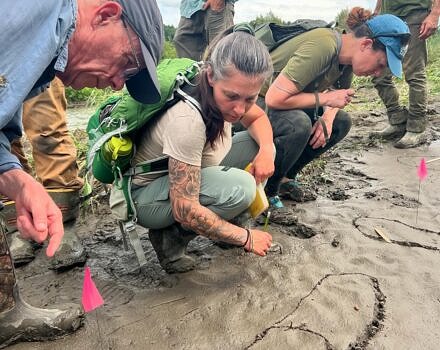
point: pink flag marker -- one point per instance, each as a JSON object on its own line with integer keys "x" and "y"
{"x": 91, "y": 299}
{"x": 422, "y": 171}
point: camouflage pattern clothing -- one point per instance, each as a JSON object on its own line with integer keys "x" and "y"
{"x": 7, "y": 276}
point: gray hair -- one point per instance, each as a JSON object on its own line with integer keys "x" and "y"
{"x": 242, "y": 51}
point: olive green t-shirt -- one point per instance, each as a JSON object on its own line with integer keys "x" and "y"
{"x": 311, "y": 61}
{"x": 403, "y": 8}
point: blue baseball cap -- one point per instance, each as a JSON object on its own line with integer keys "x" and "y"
{"x": 392, "y": 32}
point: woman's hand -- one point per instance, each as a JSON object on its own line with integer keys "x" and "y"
{"x": 262, "y": 166}
{"x": 259, "y": 242}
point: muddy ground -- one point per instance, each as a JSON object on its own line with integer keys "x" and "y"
{"x": 333, "y": 283}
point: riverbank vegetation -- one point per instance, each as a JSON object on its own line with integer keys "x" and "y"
{"x": 94, "y": 97}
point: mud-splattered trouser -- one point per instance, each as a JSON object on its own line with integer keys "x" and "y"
{"x": 194, "y": 34}
{"x": 292, "y": 132}
{"x": 414, "y": 68}
{"x": 54, "y": 153}
{"x": 7, "y": 276}
{"x": 226, "y": 189}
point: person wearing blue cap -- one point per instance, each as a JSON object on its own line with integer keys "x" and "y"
{"x": 86, "y": 43}
{"x": 311, "y": 86}
{"x": 408, "y": 125}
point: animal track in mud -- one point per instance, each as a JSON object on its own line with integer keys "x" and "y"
{"x": 397, "y": 231}
{"x": 295, "y": 328}
{"x": 299, "y": 230}
{"x": 393, "y": 197}
{"x": 346, "y": 179}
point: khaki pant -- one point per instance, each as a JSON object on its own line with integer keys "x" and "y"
{"x": 53, "y": 150}
{"x": 414, "y": 68}
{"x": 194, "y": 34}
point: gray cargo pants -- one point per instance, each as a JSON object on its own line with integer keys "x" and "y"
{"x": 194, "y": 34}
{"x": 414, "y": 68}
{"x": 225, "y": 189}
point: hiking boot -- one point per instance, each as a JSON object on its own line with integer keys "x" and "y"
{"x": 24, "y": 322}
{"x": 71, "y": 252}
{"x": 391, "y": 132}
{"x": 67, "y": 200}
{"x": 275, "y": 203}
{"x": 296, "y": 192}
{"x": 411, "y": 139}
{"x": 21, "y": 249}
{"x": 170, "y": 246}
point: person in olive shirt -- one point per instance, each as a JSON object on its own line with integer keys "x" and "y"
{"x": 409, "y": 124}
{"x": 311, "y": 87}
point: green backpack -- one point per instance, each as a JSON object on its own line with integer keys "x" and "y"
{"x": 121, "y": 116}
{"x": 273, "y": 35}
{"x": 118, "y": 119}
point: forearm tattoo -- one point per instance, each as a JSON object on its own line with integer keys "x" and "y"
{"x": 184, "y": 195}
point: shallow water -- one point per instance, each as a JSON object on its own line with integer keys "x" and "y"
{"x": 78, "y": 117}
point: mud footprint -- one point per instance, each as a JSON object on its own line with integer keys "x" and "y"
{"x": 398, "y": 232}
{"x": 299, "y": 230}
{"x": 342, "y": 311}
{"x": 393, "y": 197}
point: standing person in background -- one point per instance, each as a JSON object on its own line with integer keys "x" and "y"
{"x": 408, "y": 125}
{"x": 200, "y": 22}
{"x": 311, "y": 86}
{"x": 54, "y": 154}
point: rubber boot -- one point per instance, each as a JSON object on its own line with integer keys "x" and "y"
{"x": 170, "y": 246}
{"x": 20, "y": 321}
{"x": 411, "y": 139}
{"x": 391, "y": 132}
{"x": 21, "y": 249}
{"x": 397, "y": 126}
{"x": 71, "y": 252}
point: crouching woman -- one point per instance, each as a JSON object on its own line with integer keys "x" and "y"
{"x": 206, "y": 187}
{"x": 312, "y": 85}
